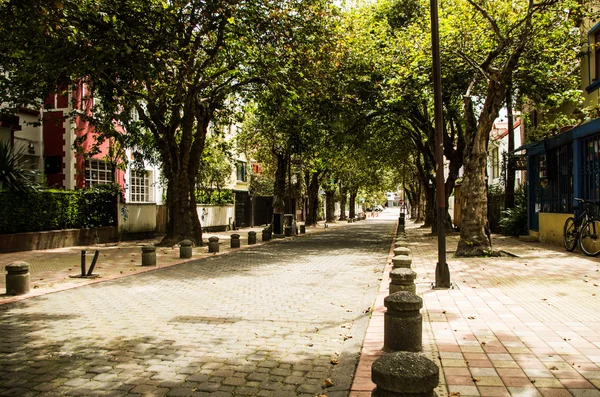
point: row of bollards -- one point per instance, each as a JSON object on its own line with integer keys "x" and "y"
{"x": 18, "y": 275}
{"x": 402, "y": 371}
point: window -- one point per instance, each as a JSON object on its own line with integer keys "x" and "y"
{"x": 241, "y": 171}
{"x": 495, "y": 165}
{"x": 97, "y": 172}
{"x": 140, "y": 185}
{"x": 590, "y": 154}
{"x": 556, "y": 180}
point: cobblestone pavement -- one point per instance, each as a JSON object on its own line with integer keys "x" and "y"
{"x": 271, "y": 320}
{"x": 525, "y": 324}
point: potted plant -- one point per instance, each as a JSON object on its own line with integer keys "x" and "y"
{"x": 266, "y": 233}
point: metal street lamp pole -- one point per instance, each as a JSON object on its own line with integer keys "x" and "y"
{"x": 442, "y": 274}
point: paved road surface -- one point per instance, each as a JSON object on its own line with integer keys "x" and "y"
{"x": 273, "y": 320}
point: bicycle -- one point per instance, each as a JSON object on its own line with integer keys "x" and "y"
{"x": 583, "y": 229}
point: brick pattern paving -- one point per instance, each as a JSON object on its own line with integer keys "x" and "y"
{"x": 51, "y": 269}
{"x": 512, "y": 326}
{"x": 271, "y": 320}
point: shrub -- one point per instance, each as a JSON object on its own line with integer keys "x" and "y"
{"x": 32, "y": 211}
{"x": 514, "y": 222}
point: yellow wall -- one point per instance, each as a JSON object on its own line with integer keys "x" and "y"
{"x": 551, "y": 227}
{"x": 588, "y": 65}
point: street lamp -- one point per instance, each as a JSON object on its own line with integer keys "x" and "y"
{"x": 442, "y": 274}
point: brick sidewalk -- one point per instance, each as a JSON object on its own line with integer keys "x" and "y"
{"x": 527, "y": 325}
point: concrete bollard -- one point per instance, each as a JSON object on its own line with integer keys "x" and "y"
{"x": 400, "y": 243}
{"x": 148, "y": 255}
{"x": 402, "y": 279}
{"x": 403, "y": 323}
{"x": 235, "y": 241}
{"x": 302, "y": 229}
{"x": 404, "y": 374}
{"x": 401, "y": 220}
{"x": 287, "y": 231}
{"x": 349, "y": 220}
{"x": 185, "y": 249}
{"x": 402, "y": 261}
{"x": 213, "y": 244}
{"x": 401, "y": 251}
{"x": 17, "y": 278}
{"x": 251, "y": 237}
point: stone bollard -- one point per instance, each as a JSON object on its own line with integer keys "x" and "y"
{"x": 287, "y": 231}
{"x": 402, "y": 261}
{"x": 402, "y": 279}
{"x": 349, "y": 220}
{"x": 302, "y": 229}
{"x": 401, "y": 251}
{"x": 185, "y": 249}
{"x": 401, "y": 220}
{"x": 235, "y": 241}
{"x": 17, "y": 278}
{"x": 404, "y": 374}
{"x": 251, "y": 237}
{"x": 213, "y": 244}
{"x": 403, "y": 323}
{"x": 401, "y": 229}
{"x": 148, "y": 255}
{"x": 400, "y": 243}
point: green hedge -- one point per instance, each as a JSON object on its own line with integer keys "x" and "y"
{"x": 34, "y": 211}
{"x": 214, "y": 197}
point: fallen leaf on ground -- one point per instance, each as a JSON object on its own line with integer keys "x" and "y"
{"x": 454, "y": 394}
{"x": 483, "y": 343}
{"x": 335, "y": 361}
{"x": 476, "y": 379}
{"x": 346, "y": 337}
{"x": 471, "y": 317}
{"x": 36, "y": 286}
{"x": 443, "y": 312}
{"x": 328, "y": 382}
{"x": 553, "y": 368}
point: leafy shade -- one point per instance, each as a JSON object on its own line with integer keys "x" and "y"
{"x": 15, "y": 172}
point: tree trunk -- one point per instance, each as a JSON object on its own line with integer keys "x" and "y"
{"x": 343, "y": 198}
{"x": 183, "y": 220}
{"x": 330, "y": 205}
{"x": 180, "y": 169}
{"x": 279, "y": 184}
{"x": 429, "y": 215}
{"x": 352, "y": 202}
{"x": 474, "y": 228}
{"x": 313, "y": 199}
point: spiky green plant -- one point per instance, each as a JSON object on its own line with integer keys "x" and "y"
{"x": 15, "y": 172}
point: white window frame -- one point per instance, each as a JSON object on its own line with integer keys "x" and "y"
{"x": 141, "y": 186}
{"x": 97, "y": 172}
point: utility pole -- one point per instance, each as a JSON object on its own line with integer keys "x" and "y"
{"x": 442, "y": 274}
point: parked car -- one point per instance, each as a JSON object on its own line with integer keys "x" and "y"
{"x": 378, "y": 208}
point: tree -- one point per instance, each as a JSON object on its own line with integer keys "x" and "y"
{"x": 491, "y": 43}
{"x": 176, "y": 63}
